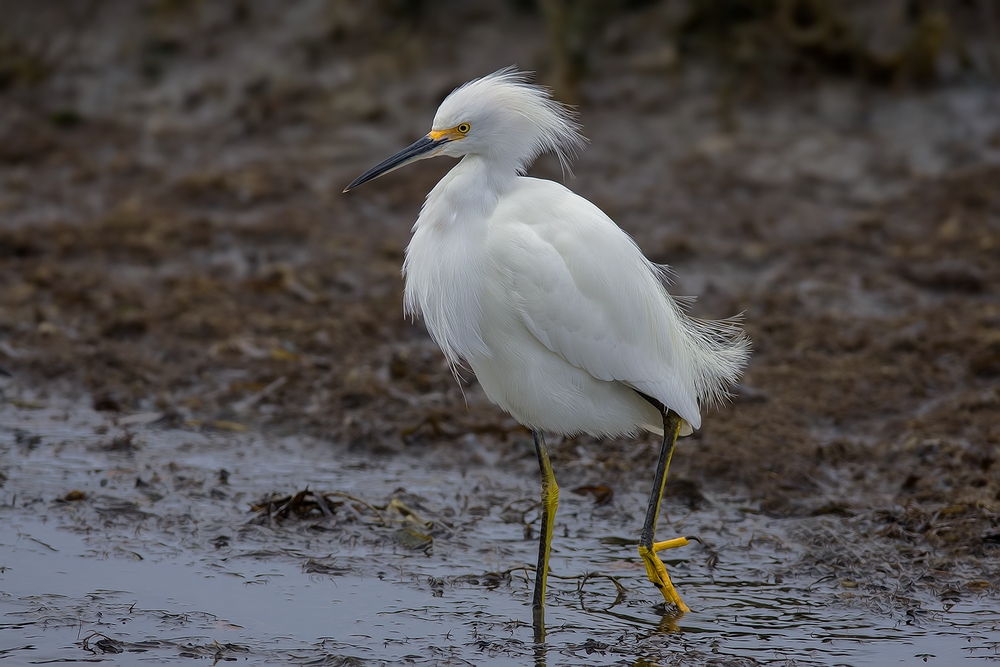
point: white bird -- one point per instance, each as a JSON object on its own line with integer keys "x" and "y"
{"x": 567, "y": 326}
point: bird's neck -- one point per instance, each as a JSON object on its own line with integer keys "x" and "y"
{"x": 470, "y": 191}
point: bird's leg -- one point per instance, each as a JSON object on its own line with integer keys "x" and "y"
{"x": 550, "y": 501}
{"x": 655, "y": 569}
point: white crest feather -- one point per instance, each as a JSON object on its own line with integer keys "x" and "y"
{"x": 504, "y": 97}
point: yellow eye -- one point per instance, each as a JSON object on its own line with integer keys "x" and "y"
{"x": 464, "y": 128}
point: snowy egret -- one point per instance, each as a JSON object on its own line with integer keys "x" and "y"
{"x": 567, "y": 326}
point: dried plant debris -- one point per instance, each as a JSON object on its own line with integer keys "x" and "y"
{"x": 101, "y": 644}
{"x": 330, "y": 568}
{"x": 407, "y": 527}
{"x": 304, "y": 505}
{"x": 601, "y": 493}
{"x": 125, "y": 443}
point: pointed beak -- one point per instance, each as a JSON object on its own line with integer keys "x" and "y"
{"x": 418, "y": 150}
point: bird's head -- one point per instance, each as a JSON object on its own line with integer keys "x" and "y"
{"x": 500, "y": 117}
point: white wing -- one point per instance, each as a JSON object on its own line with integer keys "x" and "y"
{"x": 586, "y": 292}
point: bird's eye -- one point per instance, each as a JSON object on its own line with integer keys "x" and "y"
{"x": 464, "y": 128}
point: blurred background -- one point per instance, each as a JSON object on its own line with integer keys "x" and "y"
{"x": 173, "y": 237}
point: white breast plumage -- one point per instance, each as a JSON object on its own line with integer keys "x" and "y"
{"x": 443, "y": 274}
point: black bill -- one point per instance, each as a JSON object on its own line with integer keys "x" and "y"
{"x": 415, "y": 151}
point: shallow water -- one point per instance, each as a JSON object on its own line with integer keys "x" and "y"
{"x": 175, "y": 566}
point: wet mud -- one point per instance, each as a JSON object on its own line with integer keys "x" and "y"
{"x": 220, "y": 439}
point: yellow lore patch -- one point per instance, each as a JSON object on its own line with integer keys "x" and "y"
{"x": 455, "y": 133}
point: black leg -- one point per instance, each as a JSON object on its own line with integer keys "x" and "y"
{"x": 655, "y": 569}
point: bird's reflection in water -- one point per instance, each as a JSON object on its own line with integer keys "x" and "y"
{"x": 541, "y": 650}
{"x": 538, "y": 625}
{"x": 668, "y": 624}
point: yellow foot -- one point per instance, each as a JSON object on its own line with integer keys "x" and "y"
{"x": 671, "y": 544}
{"x": 657, "y": 571}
